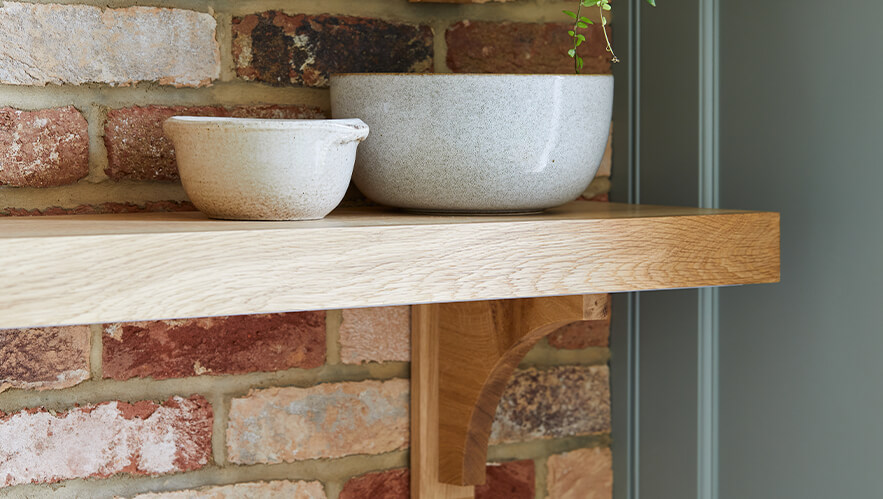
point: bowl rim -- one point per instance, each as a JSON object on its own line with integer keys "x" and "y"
{"x": 265, "y": 123}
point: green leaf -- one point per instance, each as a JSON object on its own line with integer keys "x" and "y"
{"x": 603, "y": 21}
{"x": 590, "y": 3}
{"x": 652, "y": 3}
{"x": 606, "y": 7}
{"x": 578, "y": 42}
{"x": 586, "y": 20}
{"x": 571, "y": 52}
{"x": 579, "y": 62}
{"x": 581, "y": 37}
{"x": 570, "y": 33}
{"x": 569, "y": 13}
{"x": 582, "y": 24}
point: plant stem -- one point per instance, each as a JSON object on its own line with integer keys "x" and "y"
{"x": 604, "y": 29}
{"x": 575, "y": 39}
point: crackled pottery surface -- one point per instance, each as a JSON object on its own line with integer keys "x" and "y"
{"x": 475, "y": 142}
{"x": 264, "y": 169}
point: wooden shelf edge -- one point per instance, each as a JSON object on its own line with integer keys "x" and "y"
{"x": 71, "y": 270}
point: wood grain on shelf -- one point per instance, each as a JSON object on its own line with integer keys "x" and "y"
{"x": 88, "y": 269}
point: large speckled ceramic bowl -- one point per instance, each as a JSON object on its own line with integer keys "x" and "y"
{"x": 476, "y": 143}
{"x": 263, "y": 169}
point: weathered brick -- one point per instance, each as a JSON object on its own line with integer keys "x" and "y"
{"x": 506, "y": 47}
{"x": 584, "y": 334}
{"x": 99, "y": 209}
{"x": 554, "y": 403}
{"x": 214, "y": 345}
{"x": 390, "y": 484}
{"x": 44, "y": 358}
{"x": 581, "y": 474}
{"x": 137, "y": 149}
{"x": 144, "y": 438}
{"x": 76, "y": 44}
{"x": 281, "y": 49}
{"x": 325, "y": 421}
{"x": 44, "y": 148}
{"x": 379, "y": 334}
{"x": 251, "y": 490}
{"x": 511, "y": 480}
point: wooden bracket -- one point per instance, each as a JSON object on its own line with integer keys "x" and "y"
{"x": 463, "y": 355}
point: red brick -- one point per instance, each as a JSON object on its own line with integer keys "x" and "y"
{"x": 511, "y": 480}
{"x": 137, "y": 149}
{"x": 555, "y": 403}
{"x": 44, "y": 358}
{"x": 216, "y": 345}
{"x": 98, "y": 209}
{"x": 281, "y": 49}
{"x": 505, "y": 47}
{"x": 45, "y": 148}
{"x": 391, "y": 484}
{"x": 143, "y": 438}
{"x": 582, "y": 334}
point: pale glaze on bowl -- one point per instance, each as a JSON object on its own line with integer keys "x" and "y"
{"x": 476, "y": 143}
{"x": 265, "y": 169}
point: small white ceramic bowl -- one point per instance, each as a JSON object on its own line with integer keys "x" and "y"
{"x": 263, "y": 169}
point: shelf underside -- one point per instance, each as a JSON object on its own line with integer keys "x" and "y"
{"x": 102, "y": 268}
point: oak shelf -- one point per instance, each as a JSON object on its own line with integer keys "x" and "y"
{"x": 485, "y": 289}
{"x": 103, "y": 268}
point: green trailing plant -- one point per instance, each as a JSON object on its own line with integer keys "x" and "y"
{"x": 581, "y": 21}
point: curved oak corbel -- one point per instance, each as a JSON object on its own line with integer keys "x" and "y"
{"x": 463, "y": 355}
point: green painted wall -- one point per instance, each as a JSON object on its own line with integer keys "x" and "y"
{"x": 801, "y": 362}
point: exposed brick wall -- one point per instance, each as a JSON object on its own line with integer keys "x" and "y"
{"x": 313, "y": 404}
{"x": 280, "y": 49}
{"x": 144, "y": 438}
{"x": 214, "y": 345}
{"x": 375, "y": 335}
{"x": 44, "y": 358}
{"x": 506, "y": 47}
{"x": 580, "y": 474}
{"x": 138, "y": 150}
{"x": 44, "y": 148}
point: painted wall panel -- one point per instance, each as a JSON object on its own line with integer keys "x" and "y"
{"x": 801, "y": 376}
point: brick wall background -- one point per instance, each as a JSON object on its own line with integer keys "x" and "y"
{"x": 308, "y": 405}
